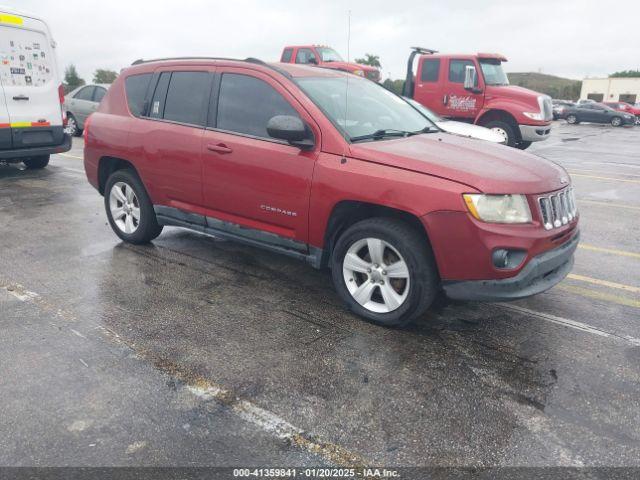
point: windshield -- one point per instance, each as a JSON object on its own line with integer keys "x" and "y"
{"x": 424, "y": 110}
{"x": 370, "y": 107}
{"x": 329, "y": 54}
{"x": 493, "y": 73}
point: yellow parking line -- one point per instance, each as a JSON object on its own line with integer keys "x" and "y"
{"x": 626, "y": 180}
{"x": 607, "y": 204}
{"x": 603, "y": 283}
{"x": 585, "y": 292}
{"x": 70, "y": 156}
{"x": 612, "y": 251}
{"x": 624, "y": 174}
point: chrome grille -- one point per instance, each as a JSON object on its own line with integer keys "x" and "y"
{"x": 558, "y": 208}
{"x": 547, "y": 108}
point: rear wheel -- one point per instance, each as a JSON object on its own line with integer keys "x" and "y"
{"x": 616, "y": 121}
{"x": 384, "y": 271}
{"x": 572, "y": 119}
{"x": 505, "y": 130}
{"x": 38, "y": 162}
{"x": 129, "y": 209}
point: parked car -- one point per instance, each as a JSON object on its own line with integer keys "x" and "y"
{"x": 458, "y": 128}
{"x": 326, "y": 57}
{"x": 559, "y": 106}
{"x": 597, "y": 113}
{"x": 31, "y": 122}
{"x": 625, "y": 107}
{"x": 282, "y": 157}
{"x": 80, "y": 103}
{"x": 474, "y": 88}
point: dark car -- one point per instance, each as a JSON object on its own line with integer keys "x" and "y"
{"x": 597, "y": 113}
{"x": 558, "y": 107}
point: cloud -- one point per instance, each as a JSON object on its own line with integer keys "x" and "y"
{"x": 571, "y": 38}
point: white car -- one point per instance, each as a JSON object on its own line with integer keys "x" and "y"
{"x": 458, "y": 128}
{"x": 31, "y": 116}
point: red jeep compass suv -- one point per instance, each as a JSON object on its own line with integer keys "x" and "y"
{"x": 330, "y": 168}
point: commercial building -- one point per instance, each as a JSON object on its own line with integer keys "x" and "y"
{"x": 611, "y": 89}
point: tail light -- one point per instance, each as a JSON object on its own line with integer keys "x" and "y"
{"x": 85, "y": 132}
{"x": 61, "y": 98}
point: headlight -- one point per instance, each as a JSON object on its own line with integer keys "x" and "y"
{"x": 359, "y": 72}
{"x": 535, "y": 116}
{"x": 498, "y": 208}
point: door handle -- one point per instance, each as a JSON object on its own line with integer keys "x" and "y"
{"x": 219, "y": 147}
{"x": 21, "y": 97}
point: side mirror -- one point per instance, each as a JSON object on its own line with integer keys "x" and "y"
{"x": 291, "y": 129}
{"x": 470, "y": 77}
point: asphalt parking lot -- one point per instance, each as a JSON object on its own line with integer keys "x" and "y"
{"x": 195, "y": 351}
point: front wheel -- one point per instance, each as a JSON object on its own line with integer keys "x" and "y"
{"x": 384, "y": 271}
{"x": 572, "y": 120}
{"x": 129, "y": 209}
{"x": 616, "y": 121}
{"x": 503, "y": 129}
{"x": 35, "y": 163}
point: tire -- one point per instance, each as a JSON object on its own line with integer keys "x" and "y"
{"x": 72, "y": 127}
{"x": 616, "y": 122}
{"x": 36, "y": 163}
{"x": 523, "y": 145}
{"x": 503, "y": 129}
{"x": 415, "y": 286}
{"x": 132, "y": 196}
{"x": 572, "y": 120}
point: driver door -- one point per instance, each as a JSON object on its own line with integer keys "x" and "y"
{"x": 458, "y": 102}
{"x": 249, "y": 178}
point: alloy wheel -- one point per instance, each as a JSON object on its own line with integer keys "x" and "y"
{"x": 124, "y": 207}
{"x": 376, "y": 275}
{"x": 72, "y": 126}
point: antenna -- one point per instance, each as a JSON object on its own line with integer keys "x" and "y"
{"x": 346, "y": 90}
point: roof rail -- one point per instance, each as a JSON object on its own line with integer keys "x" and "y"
{"x": 424, "y": 51}
{"x": 253, "y": 60}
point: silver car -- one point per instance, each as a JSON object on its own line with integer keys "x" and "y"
{"x": 80, "y": 103}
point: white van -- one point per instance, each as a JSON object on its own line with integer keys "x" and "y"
{"x": 31, "y": 115}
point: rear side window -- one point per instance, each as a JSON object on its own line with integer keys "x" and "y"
{"x": 99, "y": 94}
{"x": 304, "y": 55}
{"x": 286, "y": 55}
{"x": 457, "y": 69}
{"x": 187, "y": 97}
{"x": 136, "y": 88}
{"x": 246, "y": 104}
{"x": 85, "y": 93}
{"x": 430, "y": 70}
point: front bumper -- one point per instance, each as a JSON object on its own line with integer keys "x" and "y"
{"x": 534, "y": 133}
{"x": 20, "y": 153}
{"x": 540, "y": 274}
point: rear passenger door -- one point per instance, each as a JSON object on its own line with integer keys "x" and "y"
{"x": 249, "y": 178}
{"x": 173, "y": 135}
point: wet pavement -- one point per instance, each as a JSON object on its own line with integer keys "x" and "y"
{"x": 195, "y": 351}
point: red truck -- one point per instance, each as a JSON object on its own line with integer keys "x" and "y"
{"x": 326, "y": 57}
{"x": 271, "y": 155}
{"x": 474, "y": 88}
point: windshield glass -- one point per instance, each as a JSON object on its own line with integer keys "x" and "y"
{"x": 329, "y": 54}
{"x": 493, "y": 73}
{"x": 424, "y": 110}
{"x": 364, "y": 109}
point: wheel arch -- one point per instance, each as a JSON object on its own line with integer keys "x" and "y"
{"x": 107, "y": 166}
{"x": 347, "y": 212}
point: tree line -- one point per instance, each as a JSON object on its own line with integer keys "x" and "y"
{"x": 72, "y": 80}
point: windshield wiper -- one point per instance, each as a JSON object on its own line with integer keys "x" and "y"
{"x": 382, "y": 133}
{"x": 427, "y": 129}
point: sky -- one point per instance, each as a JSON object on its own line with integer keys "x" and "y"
{"x": 569, "y": 38}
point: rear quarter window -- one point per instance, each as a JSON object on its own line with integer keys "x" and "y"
{"x": 136, "y": 88}
{"x": 430, "y": 70}
{"x": 286, "y": 55}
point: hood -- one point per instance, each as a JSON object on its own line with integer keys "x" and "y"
{"x": 515, "y": 92}
{"x": 469, "y": 130}
{"x": 485, "y": 166}
{"x": 350, "y": 66}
